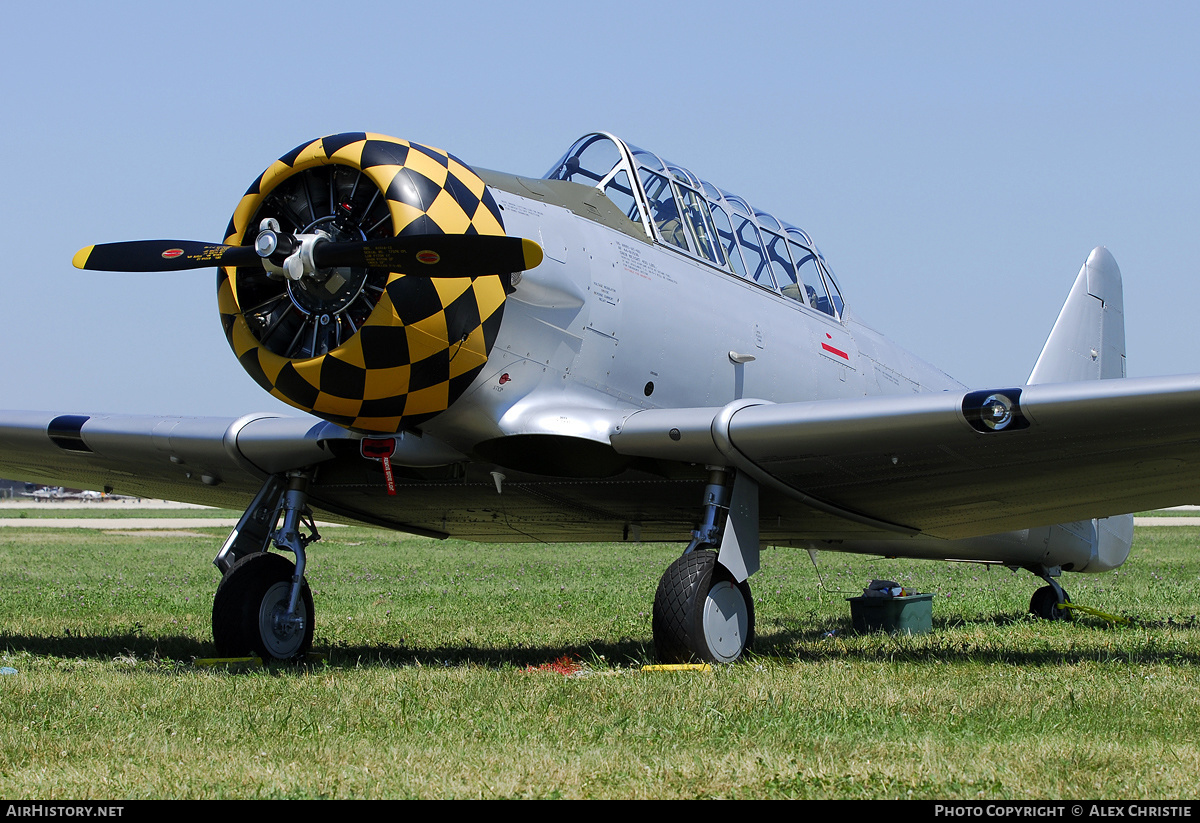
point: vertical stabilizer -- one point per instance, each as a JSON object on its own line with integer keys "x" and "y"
{"x": 1088, "y": 343}
{"x": 1088, "y": 339}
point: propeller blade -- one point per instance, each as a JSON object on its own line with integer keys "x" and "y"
{"x": 162, "y": 255}
{"x": 426, "y": 255}
{"x": 434, "y": 255}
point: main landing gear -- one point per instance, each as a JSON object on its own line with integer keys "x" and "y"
{"x": 703, "y": 609}
{"x": 250, "y": 610}
{"x": 263, "y": 604}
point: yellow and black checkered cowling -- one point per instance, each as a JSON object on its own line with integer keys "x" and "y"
{"x": 417, "y": 343}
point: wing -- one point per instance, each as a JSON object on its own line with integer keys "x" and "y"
{"x": 213, "y": 461}
{"x": 934, "y": 464}
{"x": 868, "y": 467}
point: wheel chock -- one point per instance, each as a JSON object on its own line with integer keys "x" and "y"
{"x": 678, "y": 667}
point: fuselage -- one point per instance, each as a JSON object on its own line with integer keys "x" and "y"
{"x": 629, "y": 311}
{"x": 616, "y": 316}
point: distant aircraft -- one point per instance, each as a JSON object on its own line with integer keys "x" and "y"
{"x": 46, "y": 493}
{"x": 617, "y": 351}
{"x": 60, "y": 493}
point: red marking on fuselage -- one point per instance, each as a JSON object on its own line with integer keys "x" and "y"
{"x": 832, "y": 350}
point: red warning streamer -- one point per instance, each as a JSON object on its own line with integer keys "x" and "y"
{"x": 382, "y": 449}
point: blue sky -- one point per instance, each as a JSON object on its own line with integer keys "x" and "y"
{"x": 956, "y": 162}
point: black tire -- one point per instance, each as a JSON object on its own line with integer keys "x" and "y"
{"x": 701, "y": 612}
{"x": 255, "y": 588}
{"x": 1044, "y": 604}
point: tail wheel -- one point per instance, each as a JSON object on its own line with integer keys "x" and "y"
{"x": 250, "y": 607}
{"x": 701, "y": 612}
{"x": 1044, "y": 604}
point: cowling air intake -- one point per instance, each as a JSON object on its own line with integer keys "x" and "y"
{"x": 382, "y": 343}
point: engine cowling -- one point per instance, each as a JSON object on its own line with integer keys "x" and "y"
{"x": 373, "y": 350}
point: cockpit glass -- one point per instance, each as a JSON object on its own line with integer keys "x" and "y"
{"x": 620, "y": 192}
{"x": 752, "y": 252}
{"x": 589, "y": 161}
{"x": 781, "y": 265}
{"x": 663, "y": 209}
{"x": 728, "y": 240}
{"x": 806, "y": 272}
{"x": 810, "y": 274}
{"x": 835, "y": 289}
{"x": 767, "y": 221}
{"x": 699, "y": 221}
{"x": 647, "y": 159}
{"x": 684, "y": 176}
{"x": 702, "y": 220}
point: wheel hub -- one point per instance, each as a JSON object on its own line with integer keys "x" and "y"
{"x": 281, "y": 634}
{"x": 725, "y": 619}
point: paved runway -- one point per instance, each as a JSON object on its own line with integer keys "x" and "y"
{"x": 119, "y": 523}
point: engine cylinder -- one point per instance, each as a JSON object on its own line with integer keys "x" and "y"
{"x": 365, "y": 348}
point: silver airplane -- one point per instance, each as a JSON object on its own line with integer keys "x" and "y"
{"x": 616, "y": 351}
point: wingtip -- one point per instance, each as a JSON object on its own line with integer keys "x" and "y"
{"x": 80, "y": 259}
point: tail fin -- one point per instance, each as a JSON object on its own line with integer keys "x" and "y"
{"x": 1088, "y": 339}
{"x": 1088, "y": 343}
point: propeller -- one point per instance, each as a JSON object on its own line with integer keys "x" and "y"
{"x": 426, "y": 255}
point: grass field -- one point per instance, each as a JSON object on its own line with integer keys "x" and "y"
{"x": 443, "y": 676}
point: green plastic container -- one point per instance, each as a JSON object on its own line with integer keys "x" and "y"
{"x": 895, "y": 615}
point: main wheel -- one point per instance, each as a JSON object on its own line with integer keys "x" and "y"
{"x": 250, "y": 606}
{"x": 701, "y": 612}
{"x": 1044, "y": 604}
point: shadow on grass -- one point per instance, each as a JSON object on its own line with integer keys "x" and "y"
{"x": 184, "y": 649}
{"x": 106, "y": 647}
{"x": 953, "y": 641}
{"x": 1007, "y": 639}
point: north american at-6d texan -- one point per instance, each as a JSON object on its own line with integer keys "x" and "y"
{"x": 617, "y": 351}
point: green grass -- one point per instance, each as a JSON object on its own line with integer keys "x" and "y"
{"x": 431, "y": 688}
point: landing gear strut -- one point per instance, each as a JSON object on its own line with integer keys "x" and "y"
{"x": 263, "y": 604}
{"x": 703, "y": 609}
